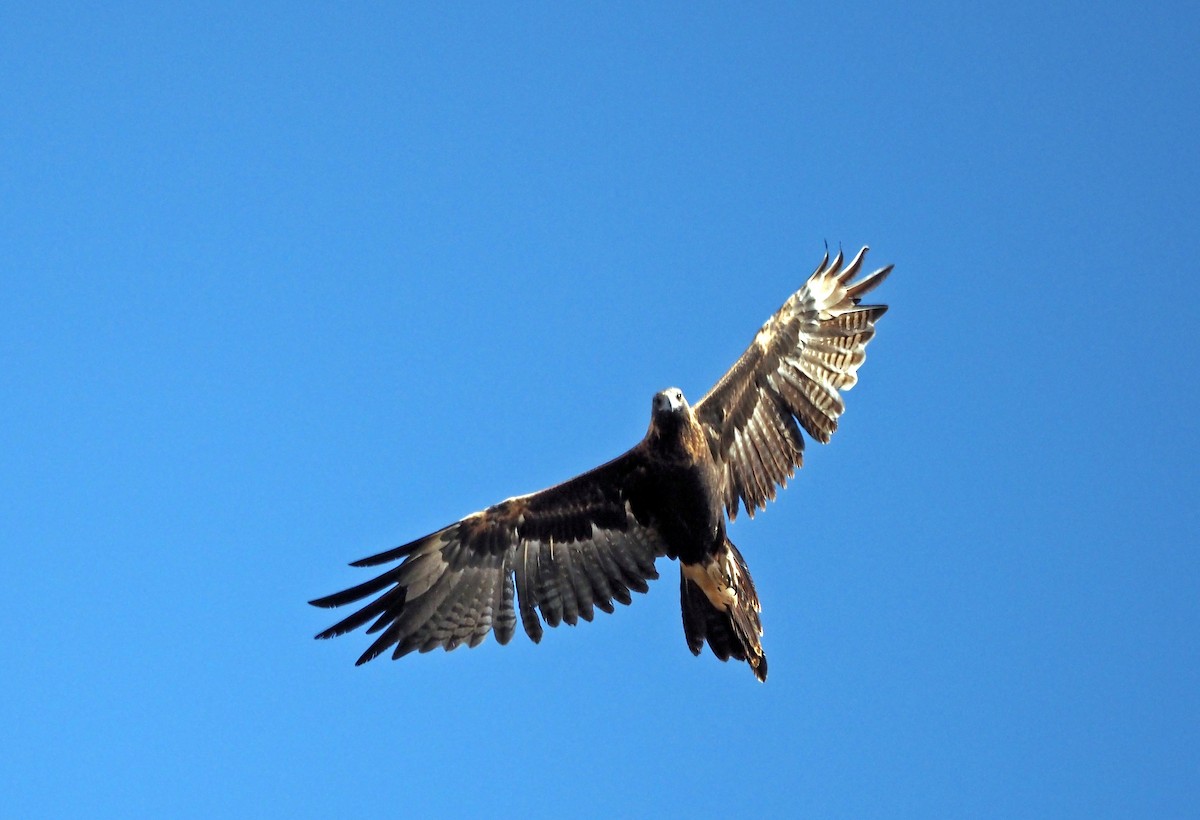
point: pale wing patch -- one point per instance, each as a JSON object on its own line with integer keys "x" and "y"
{"x": 713, "y": 580}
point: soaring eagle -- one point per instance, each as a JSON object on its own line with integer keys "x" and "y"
{"x": 578, "y": 546}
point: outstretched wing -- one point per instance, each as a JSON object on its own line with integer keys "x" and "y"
{"x": 792, "y": 372}
{"x": 570, "y": 549}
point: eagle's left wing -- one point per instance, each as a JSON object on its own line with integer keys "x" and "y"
{"x": 808, "y": 351}
{"x": 573, "y": 547}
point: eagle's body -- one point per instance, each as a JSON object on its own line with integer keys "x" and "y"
{"x": 581, "y": 544}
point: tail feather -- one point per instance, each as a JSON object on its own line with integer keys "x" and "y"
{"x": 720, "y": 606}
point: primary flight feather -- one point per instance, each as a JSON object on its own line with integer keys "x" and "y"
{"x": 562, "y": 553}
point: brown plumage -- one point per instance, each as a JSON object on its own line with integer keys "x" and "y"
{"x": 559, "y": 554}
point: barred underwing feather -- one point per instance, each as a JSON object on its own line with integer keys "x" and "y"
{"x": 614, "y": 574}
{"x": 585, "y": 590}
{"x": 505, "y": 619}
{"x": 602, "y": 594}
{"x": 526, "y": 566}
{"x": 568, "y": 595}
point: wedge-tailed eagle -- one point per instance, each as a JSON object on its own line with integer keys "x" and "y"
{"x": 578, "y": 546}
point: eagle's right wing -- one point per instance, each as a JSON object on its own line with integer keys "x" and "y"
{"x": 793, "y": 371}
{"x": 571, "y": 548}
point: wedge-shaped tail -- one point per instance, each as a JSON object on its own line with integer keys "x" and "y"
{"x": 720, "y": 606}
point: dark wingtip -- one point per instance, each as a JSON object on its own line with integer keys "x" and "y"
{"x": 851, "y": 270}
{"x": 824, "y": 261}
{"x": 868, "y": 283}
{"x": 385, "y": 557}
{"x": 381, "y": 645}
{"x": 334, "y": 631}
{"x": 401, "y": 551}
{"x": 838, "y": 260}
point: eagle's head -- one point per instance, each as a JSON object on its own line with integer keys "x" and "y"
{"x": 669, "y": 402}
{"x": 673, "y": 425}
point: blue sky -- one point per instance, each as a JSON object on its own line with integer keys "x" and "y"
{"x": 285, "y": 285}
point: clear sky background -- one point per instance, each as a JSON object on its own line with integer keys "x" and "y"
{"x": 288, "y": 284}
